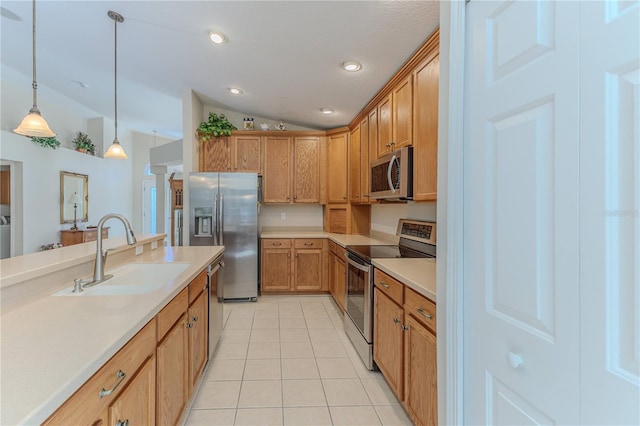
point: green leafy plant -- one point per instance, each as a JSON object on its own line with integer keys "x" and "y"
{"x": 215, "y": 126}
{"x": 83, "y": 143}
{"x": 52, "y": 142}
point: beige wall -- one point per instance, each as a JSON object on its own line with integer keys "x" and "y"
{"x": 298, "y": 216}
{"x": 384, "y": 217}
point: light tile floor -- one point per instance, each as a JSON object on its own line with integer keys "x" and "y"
{"x": 285, "y": 360}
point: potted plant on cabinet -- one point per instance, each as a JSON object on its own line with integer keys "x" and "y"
{"x": 215, "y": 126}
{"x": 52, "y": 142}
{"x": 83, "y": 144}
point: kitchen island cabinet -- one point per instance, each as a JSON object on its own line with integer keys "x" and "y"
{"x": 296, "y": 265}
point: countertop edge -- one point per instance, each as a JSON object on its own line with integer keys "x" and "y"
{"x": 429, "y": 294}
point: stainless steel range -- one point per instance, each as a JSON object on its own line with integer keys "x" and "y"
{"x": 417, "y": 239}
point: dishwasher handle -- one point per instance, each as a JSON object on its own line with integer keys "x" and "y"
{"x": 211, "y": 270}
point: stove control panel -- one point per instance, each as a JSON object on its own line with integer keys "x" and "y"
{"x": 424, "y": 232}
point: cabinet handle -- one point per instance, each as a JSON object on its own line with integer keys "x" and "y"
{"x": 396, "y": 320}
{"x": 424, "y": 314}
{"x": 119, "y": 375}
{"x": 383, "y": 284}
{"x": 189, "y": 325}
{"x": 388, "y": 145}
{"x": 295, "y": 197}
{"x": 404, "y": 327}
{"x": 121, "y": 423}
{"x": 194, "y": 318}
{"x": 276, "y": 244}
{"x": 308, "y": 244}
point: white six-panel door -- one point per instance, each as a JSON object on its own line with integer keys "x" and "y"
{"x": 551, "y": 233}
{"x": 610, "y": 212}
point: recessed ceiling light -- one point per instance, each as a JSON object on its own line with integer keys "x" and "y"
{"x": 217, "y": 37}
{"x": 235, "y": 91}
{"x": 352, "y": 66}
{"x": 327, "y": 111}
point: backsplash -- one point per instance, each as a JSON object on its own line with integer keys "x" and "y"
{"x": 287, "y": 216}
{"x": 384, "y": 217}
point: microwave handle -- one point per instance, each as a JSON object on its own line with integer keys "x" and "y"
{"x": 393, "y": 160}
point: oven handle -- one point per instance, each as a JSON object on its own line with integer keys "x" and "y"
{"x": 356, "y": 264}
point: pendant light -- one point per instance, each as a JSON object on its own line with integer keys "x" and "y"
{"x": 115, "y": 150}
{"x": 34, "y": 124}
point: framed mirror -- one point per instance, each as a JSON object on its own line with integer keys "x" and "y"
{"x": 74, "y": 197}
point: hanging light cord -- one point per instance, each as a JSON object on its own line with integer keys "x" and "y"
{"x": 115, "y": 74}
{"x": 35, "y": 84}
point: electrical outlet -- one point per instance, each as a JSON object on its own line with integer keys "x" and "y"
{"x": 154, "y": 245}
{"x": 283, "y": 216}
{"x": 139, "y": 250}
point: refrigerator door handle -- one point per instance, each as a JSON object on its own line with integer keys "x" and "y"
{"x": 221, "y": 228}
{"x": 215, "y": 220}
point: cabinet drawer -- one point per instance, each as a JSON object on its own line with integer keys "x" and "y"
{"x": 276, "y": 243}
{"x": 86, "y": 406}
{"x": 333, "y": 247}
{"x": 389, "y": 286}
{"x": 172, "y": 312}
{"x": 90, "y": 235}
{"x": 421, "y": 308}
{"x": 197, "y": 286}
{"x": 308, "y": 243}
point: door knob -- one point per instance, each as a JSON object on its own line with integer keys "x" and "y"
{"x": 515, "y": 360}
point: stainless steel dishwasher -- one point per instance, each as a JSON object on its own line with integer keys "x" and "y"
{"x": 216, "y": 298}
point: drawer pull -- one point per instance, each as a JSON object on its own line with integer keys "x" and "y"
{"x": 121, "y": 423}
{"x": 276, "y": 244}
{"x": 383, "y": 284}
{"x": 308, "y": 244}
{"x": 424, "y": 314}
{"x": 119, "y": 375}
{"x": 396, "y": 320}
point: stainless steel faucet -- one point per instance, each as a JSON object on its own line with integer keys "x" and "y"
{"x": 101, "y": 258}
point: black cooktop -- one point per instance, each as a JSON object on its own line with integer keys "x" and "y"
{"x": 385, "y": 252}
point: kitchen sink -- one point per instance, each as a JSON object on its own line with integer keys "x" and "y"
{"x": 131, "y": 279}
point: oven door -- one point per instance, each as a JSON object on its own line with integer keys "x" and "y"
{"x": 359, "y": 304}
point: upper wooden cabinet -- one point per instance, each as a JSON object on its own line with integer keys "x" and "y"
{"x": 385, "y": 132}
{"x": 276, "y": 180}
{"x": 214, "y": 154}
{"x": 306, "y": 163}
{"x": 245, "y": 154}
{"x": 425, "y": 129}
{"x": 355, "y": 153}
{"x": 402, "y": 113}
{"x": 337, "y": 147}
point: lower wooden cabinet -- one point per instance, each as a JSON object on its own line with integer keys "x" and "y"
{"x": 340, "y": 284}
{"x": 197, "y": 326}
{"x": 420, "y": 378}
{"x": 388, "y": 341}
{"x": 405, "y": 348}
{"x": 293, "y": 265}
{"x": 137, "y": 405}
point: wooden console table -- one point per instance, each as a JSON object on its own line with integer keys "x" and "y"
{"x": 69, "y": 237}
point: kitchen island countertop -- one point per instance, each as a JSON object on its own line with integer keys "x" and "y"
{"x": 52, "y": 345}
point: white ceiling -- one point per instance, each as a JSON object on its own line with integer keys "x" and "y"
{"x": 285, "y": 56}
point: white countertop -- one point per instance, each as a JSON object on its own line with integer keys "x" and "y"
{"x": 51, "y": 346}
{"x": 342, "y": 239}
{"x": 418, "y": 274}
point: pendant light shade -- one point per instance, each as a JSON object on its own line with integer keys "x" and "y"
{"x": 115, "y": 150}
{"x": 34, "y": 124}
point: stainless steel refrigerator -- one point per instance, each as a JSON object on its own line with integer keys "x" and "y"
{"x": 223, "y": 211}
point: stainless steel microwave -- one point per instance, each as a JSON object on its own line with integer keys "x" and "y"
{"x": 392, "y": 176}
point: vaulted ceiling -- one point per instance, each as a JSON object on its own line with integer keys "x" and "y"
{"x": 284, "y": 55}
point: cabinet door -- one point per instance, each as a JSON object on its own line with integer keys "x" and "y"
{"x": 354, "y": 166}
{"x": 137, "y": 403}
{"x": 246, "y": 154}
{"x": 340, "y": 284}
{"x": 425, "y": 129}
{"x": 277, "y": 170}
{"x": 308, "y": 269}
{"x": 421, "y": 389}
{"x": 402, "y": 118}
{"x": 332, "y": 274}
{"x": 385, "y": 135}
{"x": 172, "y": 381}
{"x": 276, "y": 269}
{"x": 306, "y": 178}
{"x": 197, "y": 326}
{"x": 373, "y": 136}
{"x": 338, "y": 165}
{"x": 387, "y": 340}
{"x": 364, "y": 161}
{"x": 214, "y": 155}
